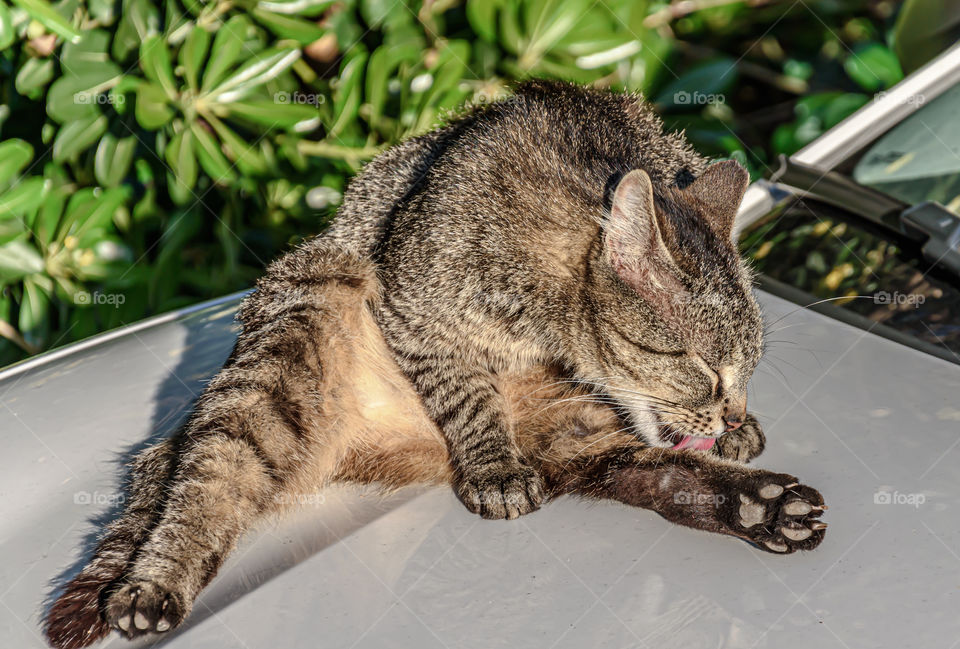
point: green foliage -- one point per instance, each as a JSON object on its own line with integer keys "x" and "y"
{"x": 157, "y": 152}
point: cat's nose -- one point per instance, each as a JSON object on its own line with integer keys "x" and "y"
{"x": 733, "y": 422}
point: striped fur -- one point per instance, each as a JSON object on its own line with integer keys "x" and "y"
{"x": 273, "y": 423}
{"x": 561, "y": 227}
{"x": 496, "y": 349}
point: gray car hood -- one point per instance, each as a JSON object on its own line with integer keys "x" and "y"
{"x": 872, "y": 424}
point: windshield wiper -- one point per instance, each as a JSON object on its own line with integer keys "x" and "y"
{"x": 940, "y": 227}
{"x": 930, "y": 225}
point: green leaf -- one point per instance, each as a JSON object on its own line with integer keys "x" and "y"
{"x": 14, "y": 156}
{"x": 7, "y": 33}
{"x": 551, "y": 24}
{"x": 102, "y": 10}
{"x": 263, "y": 67}
{"x": 152, "y": 109}
{"x": 122, "y": 93}
{"x": 90, "y": 209}
{"x": 193, "y": 54}
{"x": 74, "y": 138}
{"x": 482, "y": 15}
{"x": 211, "y": 159}
{"x": 346, "y": 100}
{"x": 374, "y": 12}
{"x": 842, "y": 107}
{"x": 112, "y": 160}
{"x": 921, "y": 31}
{"x": 248, "y": 159}
{"x": 34, "y": 322}
{"x": 72, "y": 98}
{"x": 139, "y": 19}
{"x": 181, "y": 159}
{"x": 226, "y": 50}
{"x": 23, "y": 200}
{"x": 46, "y": 15}
{"x": 700, "y": 85}
{"x": 19, "y": 259}
{"x": 89, "y": 57}
{"x": 296, "y": 29}
{"x": 289, "y": 117}
{"x": 296, "y": 7}
{"x": 48, "y": 217}
{"x": 383, "y": 62}
{"x": 34, "y": 75}
{"x": 155, "y": 61}
{"x": 873, "y": 66}
{"x": 13, "y": 229}
{"x": 450, "y": 68}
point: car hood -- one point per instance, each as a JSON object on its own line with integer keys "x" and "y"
{"x": 872, "y": 424}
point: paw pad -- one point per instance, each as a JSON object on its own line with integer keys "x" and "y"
{"x": 777, "y": 513}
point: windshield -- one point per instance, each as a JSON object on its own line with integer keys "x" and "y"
{"x": 919, "y": 159}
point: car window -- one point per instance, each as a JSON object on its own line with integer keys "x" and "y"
{"x": 919, "y": 159}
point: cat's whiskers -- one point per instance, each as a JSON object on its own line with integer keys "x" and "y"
{"x": 597, "y": 441}
{"x": 598, "y": 399}
{"x": 813, "y": 304}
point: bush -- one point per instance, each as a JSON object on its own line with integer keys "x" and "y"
{"x": 157, "y": 153}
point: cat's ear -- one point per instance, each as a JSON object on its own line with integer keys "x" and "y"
{"x": 721, "y": 188}
{"x": 634, "y": 244}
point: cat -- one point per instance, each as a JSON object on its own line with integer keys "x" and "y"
{"x": 549, "y": 229}
{"x": 541, "y": 298}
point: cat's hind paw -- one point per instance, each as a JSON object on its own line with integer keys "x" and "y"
{"x": 143, "y": 607}
{"x": 499, "y": 491}
{"x": 778, "y": 514}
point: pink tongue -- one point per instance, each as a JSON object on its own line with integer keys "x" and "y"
{"x": 699, "y": 443}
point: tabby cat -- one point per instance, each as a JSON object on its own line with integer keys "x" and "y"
{"x": 541, "y": 298}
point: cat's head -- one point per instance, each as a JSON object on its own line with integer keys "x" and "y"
{"x": 678, "y": 331}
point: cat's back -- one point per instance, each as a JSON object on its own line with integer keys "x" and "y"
{"x": 563, "y": 136}
{"x": 550, "y": 146}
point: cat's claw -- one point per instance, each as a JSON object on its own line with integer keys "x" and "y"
{"x": 778, "y": 514}
{"x": 143, "y": 607}
{"x": 502, "y": 491}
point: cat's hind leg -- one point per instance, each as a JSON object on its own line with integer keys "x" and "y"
{"x": 75, "y": 620}
{"x": 262, "y": 429}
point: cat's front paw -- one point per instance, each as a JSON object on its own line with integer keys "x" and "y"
{"x": 743, "y": 444}
{"x": 776, "y": 512}
{"x": 501, "y": 490}
{"x": 143, "y": 607}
